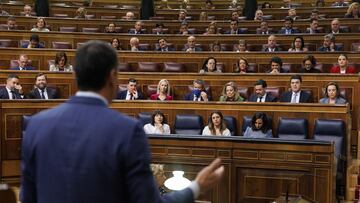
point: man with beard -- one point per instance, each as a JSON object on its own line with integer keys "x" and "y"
{"x": 13, "y": 89}
{"x": 41, "y": 90}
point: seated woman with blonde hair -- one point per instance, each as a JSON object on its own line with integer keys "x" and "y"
{"x": 158, "y": 124}
{"x": 230, "y": 93}
{"x": 162, "y": 91}
{"x": 332, "y": 94}
{"x": 216, "y": 125}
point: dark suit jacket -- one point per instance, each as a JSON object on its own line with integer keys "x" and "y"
{"x": 239, "y": 31}
{"x": 38, "y": 46}
{"x": 122, "y": 95}
{"x": 133, "y": 32}
{"x": 5, "y": 95}
{"x": 196, "y": 48}
{"x": 322, "y": 48}
{"x": 293, "y": 31}
{"x": 304, "y": 97}
{"x": 86, "y": 152}
{"x": 168, "y": 49}
{"x": 267, "y": 49}
{"x": 51, "y": 92}
{"x": 268, "y": 98}
{"x": 26, "y": 68}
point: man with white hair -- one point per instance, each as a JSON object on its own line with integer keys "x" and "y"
{"x": 134, "y": 44}
{"x": 27, "y": 10}
{"x": 190, "y": 46}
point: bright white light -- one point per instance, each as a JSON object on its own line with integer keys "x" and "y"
{"x": 178, "y": 182}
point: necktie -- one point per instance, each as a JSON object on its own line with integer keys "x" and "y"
{"x": 42, "y": 94}
{"x": 294, "y": 98}
{"x": 13, "y": 95}
{"x": 131, "y": 96}
{"x": 260, "y": 99}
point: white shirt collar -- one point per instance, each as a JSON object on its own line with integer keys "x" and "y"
{"x": 92, "y": 95}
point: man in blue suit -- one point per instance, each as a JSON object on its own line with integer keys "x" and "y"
{"x": 260, "y": 94}
{"x": 296, "y": 95}
{"x": 288, "y": 23}
{"x": 23, "y": 62}
{"x": 82, "y": 151}
{"x": 234, "y": 28}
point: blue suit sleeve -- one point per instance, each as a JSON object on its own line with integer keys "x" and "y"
{"x": 28, "y": 186}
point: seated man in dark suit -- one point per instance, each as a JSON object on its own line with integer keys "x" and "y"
{"x": 11, "y": 23}
{"x": 260, "y": 94}
{"x": 313, "y": 27}
{"x": 198, "y": 93}
{"x": 163, "y": 46}
{"x": 335, "y": 27}
{"x": 329, "y": 44}
{"x": 264, "y": 28}
{"x": 271, "y": 45}
{"x": 131, "y": 93}
{"x": 190, "y": 46}
{"x": 82, "y": 151}
{"x": 296, "y": 95}
{"x": 41, "y": 90}
{"x": 23, "y": 62}
{"x": 234, "y": 28}
{"x": 34, "y": 42}
{"x": 13, "y": 89}
{"x": 138, "y": 28}
{"x": 288, "y": 23}
{"x": 276, "y": 65}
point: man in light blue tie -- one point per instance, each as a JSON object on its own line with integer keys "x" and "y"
{"x": 296, "y": 95}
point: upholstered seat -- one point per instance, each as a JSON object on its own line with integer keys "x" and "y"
{"x": 244, "y": 92}
{"x": 124, "y": 67}
{"x": 144, "y": 117}
{"x": 274, "y": 91}
{"x": 188, "y": 124}
{"x": 67, "y": 29}
{"x": 148, "y": 67}
{"x": 174, "y": 67}
{"x": 293, "y": 128}
{"x": 61, "y": 45}
{"x": 8, "y": 43}
{"x": 91, "y": 29}
{"x": 231, "y": 124}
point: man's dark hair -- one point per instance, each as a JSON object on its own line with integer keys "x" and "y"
{"x": 39, "y": 75}
{"x": 237, "y": 22}
{"x": 132, "y": 80}
{"x": 288, "y": 18}
{"x": 277, "y": 60}
{"x": 34, "y": 38}
{"x": 11, "y": 76}
{"x": 261, "y": 82}
{"x": 93, "y": 63}
{"x": 296, "y": 77}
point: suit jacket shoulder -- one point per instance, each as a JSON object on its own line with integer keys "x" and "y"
{"x": 4, "y": 93}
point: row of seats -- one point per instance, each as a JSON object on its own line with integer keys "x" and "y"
{"x": 252, "y": 68}
{"x": 148, "y": 47}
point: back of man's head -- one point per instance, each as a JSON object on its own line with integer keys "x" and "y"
{"x": 93, "y": 64}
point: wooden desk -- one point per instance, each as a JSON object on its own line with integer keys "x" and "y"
{"x": 247, "y": 162}
{"x": 255, "y": 171}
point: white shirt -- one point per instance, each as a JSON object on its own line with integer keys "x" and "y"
{"x": 262, "y": 98}
{"x": 297, "y": 99}
{"x": 150, "y": 129}
{"x": 9, "y": 93}
{"x": 45, "y": 93}
{"x": 207, "y": 131}
{"x": 128, "y": 95}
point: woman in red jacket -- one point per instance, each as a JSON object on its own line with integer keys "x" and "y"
{"x": 343, "y": 66}
{"x": 163, "y": 91}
